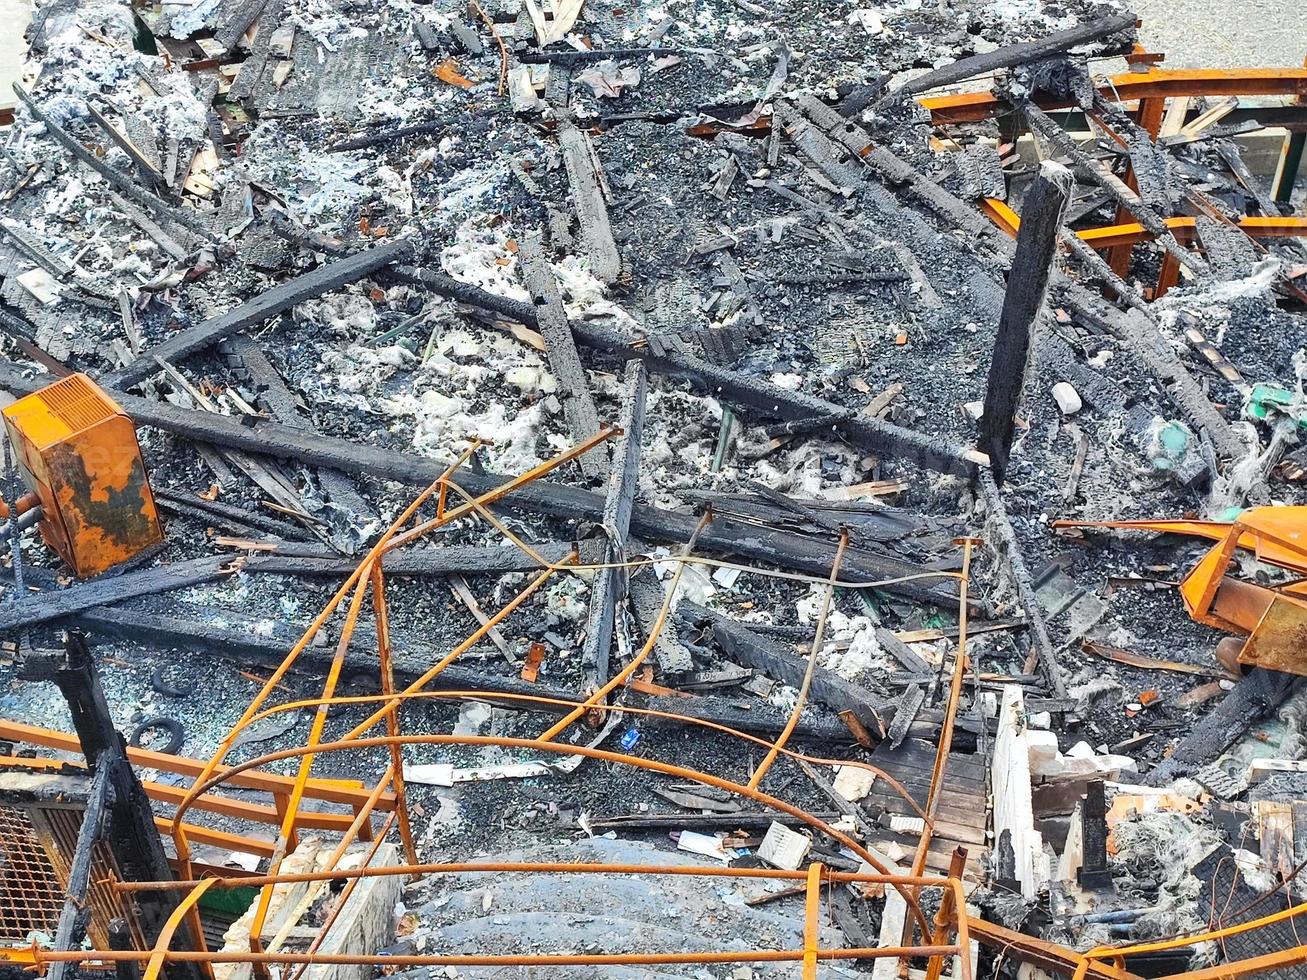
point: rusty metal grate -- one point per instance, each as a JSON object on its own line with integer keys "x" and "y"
{"x": 31, "y": 896}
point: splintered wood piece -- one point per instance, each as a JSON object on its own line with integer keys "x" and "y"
{"x": 564, "y": 360}
{"x": 587, "y": 195}
{"x": 447, "y": 71}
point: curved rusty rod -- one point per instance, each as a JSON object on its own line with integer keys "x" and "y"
{"x": 666, "y": 768}
{"x": 490, "y": 695}
{"x": 827, "y": 596}
{"x": 178, "y": 833}
{"x": 623, "y": 675}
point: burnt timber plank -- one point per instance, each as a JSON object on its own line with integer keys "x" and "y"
{"x": 793, "y": 551}
{"x": 749, "y": 649}
{"x": 610, "y": 583}
{"x": 247, "y": 646}
{"x": 1116, "y": 188}
{"x": 749, "y": 394}
{"x": 591, "y": 211}
{"x": 266, "y": 305}
{"x": 29, "y": 610}
{"x": 449, "y": 560}
{"x": 1254, "y": 697}
{"x": 276, "y": 397}
{"x": 564, "y": 361}
{"x": 1011, "y": 55}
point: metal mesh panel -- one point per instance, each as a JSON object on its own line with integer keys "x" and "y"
{"x": 31, "y": 896}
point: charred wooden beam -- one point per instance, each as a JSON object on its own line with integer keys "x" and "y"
{"x": 247, "y": 646}
{"x": 591, "y": 209}
{"x": 1041, "y": 220}
{"x": 610, "y": 583}
{"x": 263, "y": 307}
{"x": 1012, "y": 55}
{"x": 29, "y": 610}
{"x": 1138, "y": 331}
{"x": 1010, "y": 548}
{"x": 1255, "y": 696}
{"x": 236, "y": 520}
{"x": 75, "y": 914}
{"x": 1094, "y": 872}
{"x": 377, "y": 137}
{"x": 147, "y": 168}
{"x": 752, "y": 395}
{"x": 131, "y": 834}
{"x": 723, "y": 536}
{"x": 449, "y": 560}
{"x": 560, "y": 348}
{"x": 1097, "y": 172}
{"x": 750, "y": 649}
{"x": 274, "y": 395}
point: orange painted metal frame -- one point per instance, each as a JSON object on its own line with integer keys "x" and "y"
{"x": 1131, "y": 233}
{"x": 1273, "y": 618}
{"x": 1132, "y": 86}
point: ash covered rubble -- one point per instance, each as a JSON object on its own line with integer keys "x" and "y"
{"x": 852, "y": 530}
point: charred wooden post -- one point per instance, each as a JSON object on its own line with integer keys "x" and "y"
{"x": 1041, "y": 219}
{"x": 611, "y": 582}
{"x": 1094, "y": 870}
{"x": 120, "y": 937}
{"x": 129, "y": 818}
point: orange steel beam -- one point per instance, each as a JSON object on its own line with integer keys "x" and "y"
{"x": 1109, "y": 236}
{"x": 350, "y": 792}
{"x": 543, "y": 867}
{"x": 188, "y": 904}
{"x": 948, "y": 912}
{"x": 812, "y": 918}
{"x": 1255, "y": 966}
{"x": 381, "y": 616}
{"x": 945, "y": 745}
{"x": 1132, "y": 86}
{"x": 286, "y": 837}
{"x": 399, "y": 961}
{"x": 217, "y": 838}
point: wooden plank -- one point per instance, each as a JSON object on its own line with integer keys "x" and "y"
{"x": 564, "y": 359}
{"x": 587, "y": 195}
{"x": 28, "y": 610}
{"x": 1012, "y": 55}
{"x": 748, "y": 541}
{"x": 263, "y": 307}
{"x": 610, "y": 583}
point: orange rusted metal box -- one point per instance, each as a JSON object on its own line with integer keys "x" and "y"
{"x": 78, "y": 453}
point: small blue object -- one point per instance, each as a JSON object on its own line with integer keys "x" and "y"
{"x": 629, "y": 738}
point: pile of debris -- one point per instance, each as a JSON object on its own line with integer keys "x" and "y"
{"x": 716, "y": 455}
